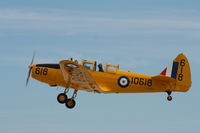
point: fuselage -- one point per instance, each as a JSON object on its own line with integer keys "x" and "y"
{"x": 84, "y": 76}
{"x": 108, "y": 82}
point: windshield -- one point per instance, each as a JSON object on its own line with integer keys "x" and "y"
{"x": 71, "y": 65}
{"x": 88, "y": 66}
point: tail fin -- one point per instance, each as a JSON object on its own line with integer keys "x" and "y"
{"x": 179, "y": 70}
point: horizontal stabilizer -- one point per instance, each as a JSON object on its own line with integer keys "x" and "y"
{"x": 164, "y": 78}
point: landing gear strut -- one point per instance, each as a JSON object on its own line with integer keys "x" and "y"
{"x": 63, "y": 98}
{"x": 169, "y": 98}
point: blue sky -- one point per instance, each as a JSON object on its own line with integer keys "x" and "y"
{"x": 142, "y": 36}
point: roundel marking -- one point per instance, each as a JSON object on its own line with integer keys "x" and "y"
{"x": 123, "y": 82}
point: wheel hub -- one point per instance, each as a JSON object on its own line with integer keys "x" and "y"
{"x": 62, "y": 98}
{"x": 70, "y": 103}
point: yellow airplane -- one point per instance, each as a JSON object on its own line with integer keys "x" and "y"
{"x": 85, "y": 76}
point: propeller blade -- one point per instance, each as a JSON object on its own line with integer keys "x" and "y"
{"x": 33, "y": 58}
{"x": 30, "y": 69}
{"x": 28, "y": 77}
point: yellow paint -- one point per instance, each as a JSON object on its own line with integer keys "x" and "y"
{"x": 54, "y": 76}
{"x": 108, "y": 81}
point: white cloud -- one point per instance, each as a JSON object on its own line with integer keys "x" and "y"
{"x": 80, "y": 22}
{"x": 70, "y": 23}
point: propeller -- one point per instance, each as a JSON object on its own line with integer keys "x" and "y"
{"x": 30, "y": 69}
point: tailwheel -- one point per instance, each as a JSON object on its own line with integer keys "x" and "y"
{"x": 70, "y": 103}
{"x": 62, "y": 98}
{"x": 169, "y": 98}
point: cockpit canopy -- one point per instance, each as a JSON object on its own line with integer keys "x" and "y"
{"x": 93, "y": 66}
{"x": 89, "y": 65}
{"x": 71, "y": 65}
{"x": 111, "y": 68}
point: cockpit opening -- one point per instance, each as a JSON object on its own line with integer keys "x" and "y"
{"x": 93, "y": 66}
{"x": 89, "y": 65}
{"x": 111, "y": 68}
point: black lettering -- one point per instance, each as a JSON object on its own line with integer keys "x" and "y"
{"x": 150, "y": 82}
{"x": 145, "y": 82}
{"x": 45, "y": 71}
{"x": 37, "y": 71}
{"x": 41, "y": 71}
{"x": 182, "y": 63}
{"x": 136, "y": 81}
{"x": 141, "y": 81}
{"x": 180, "y": 77}
{"x": 132, "y": 80}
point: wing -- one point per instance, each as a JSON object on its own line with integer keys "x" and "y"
{"x": 78, "y": 77}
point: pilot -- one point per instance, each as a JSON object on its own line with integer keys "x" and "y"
{"x": 100, "y": 66}
{"x": 71, "y": 59}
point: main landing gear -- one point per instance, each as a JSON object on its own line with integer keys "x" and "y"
{"x": 69, "y": 102}
{"x": 169, "y": 98}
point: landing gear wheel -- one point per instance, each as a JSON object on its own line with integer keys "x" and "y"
{"x": 70, "y": 103}
{"x": 169, "y": 98}
{"x": 62, "y": 98}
